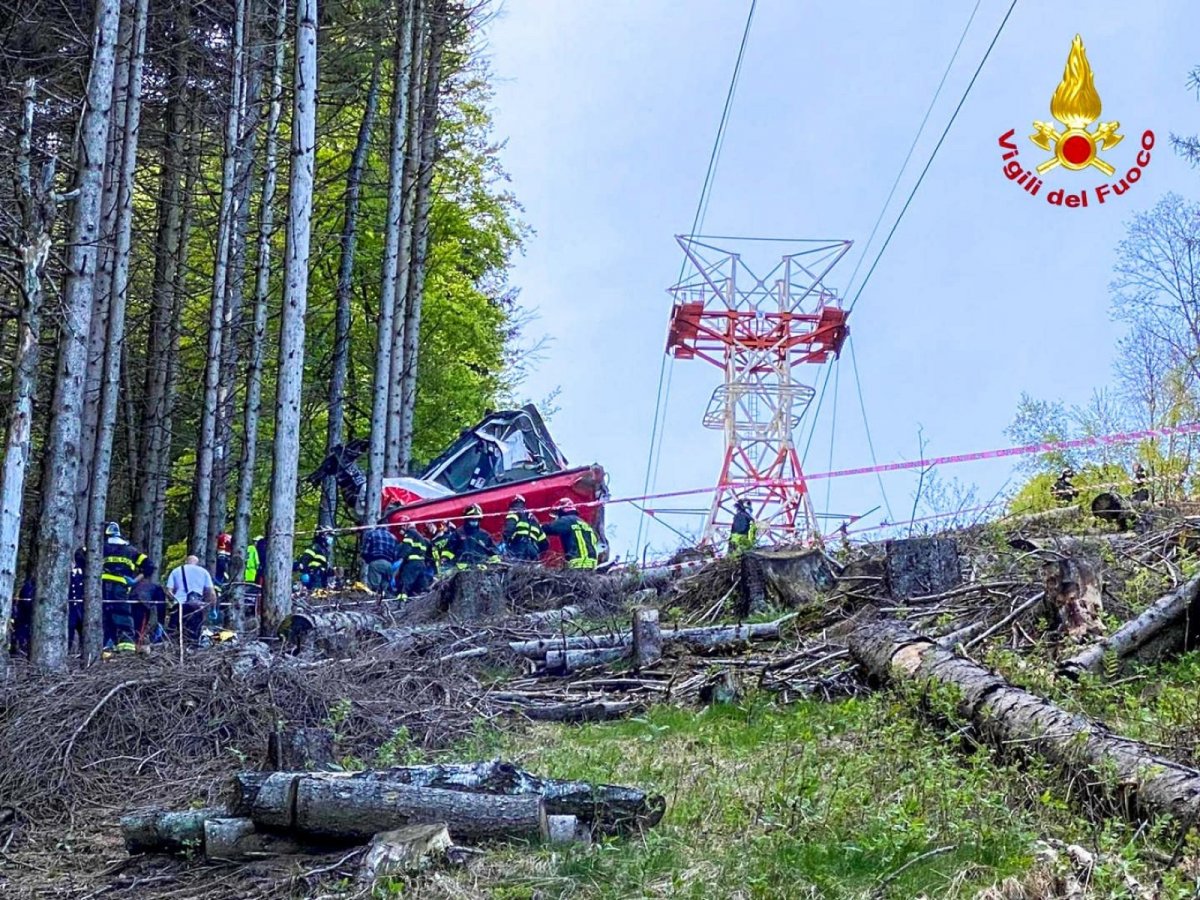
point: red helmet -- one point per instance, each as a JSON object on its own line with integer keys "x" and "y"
{"x": 564, "y": 506}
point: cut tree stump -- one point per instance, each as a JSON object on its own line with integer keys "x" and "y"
{"x": 920, "y": 567}
{"x": 647, "y": 637}
{"x": 1138, "y": 782}
{"x": 167, "y": 831}
{"x": 351, "y": 807}
{"x": 1169, "y": 625}
{"x": 299, "y": 749}
{"x": 237, "y": 840}
{"x": 404, "y": 851}
{"x": 1075, "y": 597}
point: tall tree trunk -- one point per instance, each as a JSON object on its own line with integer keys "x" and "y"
{"x": 206, "y": 445}
{"x": 56, "y": 530}
{"x": 35, "y": 204}
{"x": 154, "y": 546}
{"x": 415, "y": 292}
{"x": 118, "y": 299}
{"x": 233, "y": 344}
{"x": 102, "y": 289}
{"x": 341, "y": 339}
{"x": 262, "y": 285}
{"x": 406, "y": 13}
{"x": 412, "y": 162}
{"x": 166, "y": 263}
{"x": 277, "y": 597}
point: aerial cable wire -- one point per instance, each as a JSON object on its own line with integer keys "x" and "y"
{"x": 932, "y": 157}
{"x": 867, "y": 427}
{"x": 912, "y": 193}
{"x": 913, "y": 146}
{"x": 664, "y": 374}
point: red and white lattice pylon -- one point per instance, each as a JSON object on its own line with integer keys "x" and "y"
{"x": 758, "y": 330}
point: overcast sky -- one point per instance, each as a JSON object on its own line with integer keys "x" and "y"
{"x": 609, "y": 109}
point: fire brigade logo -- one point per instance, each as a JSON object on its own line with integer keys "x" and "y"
{"x": 1076, "y": 104}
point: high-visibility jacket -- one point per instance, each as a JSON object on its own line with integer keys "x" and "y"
{"x": 744, "y": 533}
{"x": 579, "y": 540}
{"x": 123, "y": 562}
{"x": 415, "y": 548}
{"x": 523, "y": 535}
{"x": 252, "y": 564}
{"x": 315, "y": 564}
{"x": 446, "y": 547}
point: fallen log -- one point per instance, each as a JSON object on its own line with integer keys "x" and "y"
{"x": 1140, "y": 783}
{"x": 605, "y": 807}
{"x": 591, "y": 645}
{"x": 351, "y": 807}
{"x": 560, "y": 662}
{"x": 237, "y": 840}
{"x": 586, "y": 711}
{"x": 167, "y": 831}
{"x": 1174, "y": 617}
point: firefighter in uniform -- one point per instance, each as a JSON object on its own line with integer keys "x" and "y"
{"x": 477, "y": 546}
{"x": 744, "y": 533}
{"x": 410, "y": 573}
{"x": 1063, "y": 490}
{"x": 524, "y": 539}
{"x": 313, "y": 564}
{"x": 124, "y": 566}
{"x": 579, "y": 540}
{"x": 75, "y": 601}
{"x": 447, "y": 543}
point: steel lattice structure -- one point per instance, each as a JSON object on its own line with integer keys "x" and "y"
{"x": 758, "y": 330}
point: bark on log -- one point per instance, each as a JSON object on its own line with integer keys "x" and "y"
{"x": 918, "y": 567}
{"x": 1074, "y": 596}
{"x": 299, "y": 749}
{"x": 647, "y": 637}
{"x": 1174, "y": 617}
{"x": 705, "y": 638}
{"x": 166, "y": 831}
{"x": 404, "y": 850}
{"x": 1140, "y": 783}
{"x": 560, "y": 662}
{"x": 237, "y": 839}
{"x": 538, "y": 648}
{"x": 352, "y": 807}
{"x": 588, "y": 711}
{"x": 606, "y": 807}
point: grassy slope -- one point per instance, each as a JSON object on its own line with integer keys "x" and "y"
{"x": 810, "y": 800}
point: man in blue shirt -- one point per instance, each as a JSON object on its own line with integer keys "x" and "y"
{"x": 379, "y": 550}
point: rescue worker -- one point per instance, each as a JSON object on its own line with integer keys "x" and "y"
{"x": 477, "y": 547}
{"x": 447, "y": 544}
{"x": 579, "y": 540}
{"x": 524, "y": 539}
{"x": 313, "y": 564}
{"x": 410, "y": 573}
{"x": 380, "y": 550}
{"x": 224, "y": 549}
{"x": 149, "y": 603}
{"x": 1063, "y": 490}
{"x": 75, "y": 601}
{"x": 1141, "y": 487}
{"x": 744, "y": 533}
{"x": 191, "y": 586}
{"x": 124, "y": 566}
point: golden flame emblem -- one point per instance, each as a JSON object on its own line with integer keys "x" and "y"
{"x": 1076, "y": 104}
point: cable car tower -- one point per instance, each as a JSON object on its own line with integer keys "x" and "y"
{"x": 758, "y": 330}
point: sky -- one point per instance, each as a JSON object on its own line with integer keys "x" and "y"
{"x": 608, "y": 110}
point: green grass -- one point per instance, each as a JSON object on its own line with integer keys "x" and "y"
{"x": 808, "y": 800}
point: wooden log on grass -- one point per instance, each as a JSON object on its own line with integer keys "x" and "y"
{"x": 1140, "y": 783}
{"x": 1173, "y": 619}
{"x": 167, "y": 831}
{"x": 608, "y": 808}
{"x": 347, "y": 807}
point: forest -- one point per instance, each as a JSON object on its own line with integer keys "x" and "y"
{"x": 229, "y": 245}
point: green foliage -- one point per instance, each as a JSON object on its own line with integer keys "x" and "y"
{"x": 1036, "y": 495}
